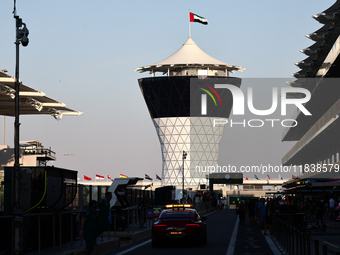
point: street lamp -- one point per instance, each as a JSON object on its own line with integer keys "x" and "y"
{"x": 21, "y": 37}
{"x": 183, "y": 157}
{"x": 67, "y": 154}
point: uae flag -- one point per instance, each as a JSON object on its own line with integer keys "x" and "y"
{"x": 158, "y": 178}
{"x": 123, "y": 176}
{"x": 255, "y": 176}
{"x": 195, "y": 18}
{"x": 109, "y": 178}
{"x": 99, "y": 177}
{"x": 148, "y": 177}
{"x": 87, "y": 178}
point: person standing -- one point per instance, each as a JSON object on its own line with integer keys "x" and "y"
{"x": 242, "y": 211}
{"x": 103, "y": 213}
{"x": 89, "y": 228}
{"x": 269, "y": 217}
{"x": 251, "y": 211}
{"x": 144, "y": 204}
{"x": 262, "y": 213}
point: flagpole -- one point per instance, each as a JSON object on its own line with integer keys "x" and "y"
{"x": 189, "y": 25}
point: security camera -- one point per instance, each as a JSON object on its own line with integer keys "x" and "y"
{"x": 22, "y": 34}
{"x": 24, "y": 41}
{"x": 25, "y": 32}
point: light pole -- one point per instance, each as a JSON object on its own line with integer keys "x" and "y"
{"x": 183, "y": 157}
{"x": 67, "y": 154}
{"x": 21, "y": 37}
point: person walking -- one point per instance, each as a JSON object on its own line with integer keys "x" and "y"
{"x": 262, "y": 214}
{"x": 242, "y": 211}
{"x": 89, "y": 228}
{"x": 103, "y": 213}
{"x": 144, "y": 204}
{"x": 269, "y": 217}
{"x": 251, "y": 211}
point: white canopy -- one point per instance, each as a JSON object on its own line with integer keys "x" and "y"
{"x": 189, "y": 55}
{"x": 31, "y": 101}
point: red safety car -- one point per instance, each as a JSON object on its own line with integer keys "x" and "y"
{"x": 179, "y": 222}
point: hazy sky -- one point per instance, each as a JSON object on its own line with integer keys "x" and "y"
{"x": 84, "y": 53}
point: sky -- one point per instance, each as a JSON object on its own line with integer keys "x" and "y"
{"x": 84, "y": 53}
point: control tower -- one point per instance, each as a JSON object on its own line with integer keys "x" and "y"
{"x": 169, "y": 98}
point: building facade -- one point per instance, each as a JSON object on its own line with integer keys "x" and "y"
{"x": 317, "y": 137}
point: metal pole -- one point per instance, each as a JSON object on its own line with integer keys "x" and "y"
{"x": 183, "y": 157}
{"x": 183, "y": 179}
{"x": 67, "y": 154}
{"x": 189, "y": 25}
{"x": 5, "y": 131}
{"x": 16, "y": 210}
{"x": 21, "y": 37}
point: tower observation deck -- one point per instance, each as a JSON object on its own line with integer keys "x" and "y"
{"x": 169, "y": 99}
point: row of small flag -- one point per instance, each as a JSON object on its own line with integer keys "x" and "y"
{"x": 146, "y": 177}
{"x": 268, "y": 177}
{"x": 98, "y": 177}
{"x": 101, "y": 177}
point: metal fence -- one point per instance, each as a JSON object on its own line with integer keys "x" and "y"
{"x": 291, "y": 235}
{"x": 52, "y": 233}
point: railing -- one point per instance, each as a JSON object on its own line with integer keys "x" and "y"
{"x": 39, "y": 151}
{"x": 290, "y": 239}
{"x": 60, "y": 232}
{"x": 293, "y": 238}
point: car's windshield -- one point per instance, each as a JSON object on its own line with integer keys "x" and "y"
{"x": 175, "y": 215}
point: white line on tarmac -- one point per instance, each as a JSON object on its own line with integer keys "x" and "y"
{"x": 272, "y": 246}
{"x": 231, "y": 246}
{"x": 134, "y": 247}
